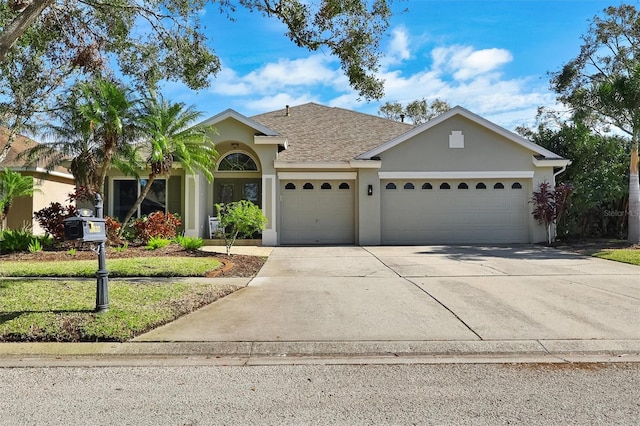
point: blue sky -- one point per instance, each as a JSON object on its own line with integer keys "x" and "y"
{"x": 490, "y": 56}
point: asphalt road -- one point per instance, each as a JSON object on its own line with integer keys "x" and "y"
{"x": 540, "y": 394}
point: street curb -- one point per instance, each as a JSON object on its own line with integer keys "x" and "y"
{"x": 358, "y": 352}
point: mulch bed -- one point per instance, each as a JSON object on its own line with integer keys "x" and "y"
{"x": 233, "y": 266}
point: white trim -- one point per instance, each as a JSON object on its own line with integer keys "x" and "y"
{"x": 458, "y": 110}
{"x": 271, "y": 140}
{"x": 315, "y": 165}
{"x": 551, "y": 162}
{"x": 270, "y": 235}
{"x": 318, "y": 175}
{"x": 457, "y": 175}
{"x": 42, "y": 170}
{"x": 365, "y": 164}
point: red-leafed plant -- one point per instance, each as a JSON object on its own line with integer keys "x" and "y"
{"x": 113, "y": 228}
{"x": 549, "y": 204}
{"x": 157, "y": 225}
{"x": 51, "y": 219}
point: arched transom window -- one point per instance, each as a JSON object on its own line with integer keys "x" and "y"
{"x": 237, "y": 162}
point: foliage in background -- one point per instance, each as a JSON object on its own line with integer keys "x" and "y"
{"x": 46, "y": 45}
{"x": 113, "y": 231}
{"x": 417, "y": 112}
{"x": 240, "y": 218}
{"x": 12, "y": 186}
{"x": 158, "y": 225}
{"x": 51, "y": 219}
{"x": 598, "y": 174}
{"x": 602, "y": 86}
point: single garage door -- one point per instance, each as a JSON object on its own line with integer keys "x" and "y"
{"x": 455, "y": 211}
{"x": 317, "y": 212}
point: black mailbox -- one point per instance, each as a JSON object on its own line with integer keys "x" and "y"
{"x": 85, "y": 229}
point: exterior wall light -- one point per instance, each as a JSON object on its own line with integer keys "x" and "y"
{"x": 370, "y": 190}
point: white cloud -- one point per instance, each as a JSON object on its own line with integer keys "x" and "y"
{"x": 463, "y": 62}
{"x": 311, "y": 70}
{"x": 398, "y": 49}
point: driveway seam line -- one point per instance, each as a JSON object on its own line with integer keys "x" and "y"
{"x": 444, "y": 306}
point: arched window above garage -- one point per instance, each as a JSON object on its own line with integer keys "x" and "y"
{"x": 344, "y": 185}
{"x": 237, "y": 162}
{"x": 516, "y": 185}
{"x": 409, "y": 185}
{"x": 463, "y": 185}
{"x": 290, "y": 185}
{"x": 391, "y": 185}
{"x": 498, "y": 185}
{"x": 481, "y": 185}
{"x": 325, "y": 185}
{"x": 427, "y": 185}
{"x": 307, "y": 185}
{"x": 445, "y": 185}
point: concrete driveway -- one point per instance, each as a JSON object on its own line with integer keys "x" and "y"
{"x": 430, "y": 293}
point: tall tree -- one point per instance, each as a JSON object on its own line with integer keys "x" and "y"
{"x": 603, "y": 84}
{"x": 418, "y": 111}
{"x": 94, "y": 129}
{"x": 169, "y": 137}
{"x": 12, "y": 186}
{"x": 164, "y": 39}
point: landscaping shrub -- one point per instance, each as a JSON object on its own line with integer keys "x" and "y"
{"x": 157, "y": 242}
{"x": 12, "y": 240}
{"x": 113, "y": 229}
{"x": 158, "y": 225}
{"x": 240, "y": 218}
{"x": 51, "y": 219}
{"x": 189, "y": 243}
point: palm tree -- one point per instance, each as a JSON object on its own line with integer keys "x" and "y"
{"x": 93, "y": 128}
{"x": 13, "y": 185}
{"x": 169, "y": 137}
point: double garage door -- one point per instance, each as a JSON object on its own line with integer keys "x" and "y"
{"x": 454, "y": 211}
{"x": 317, "y": 212}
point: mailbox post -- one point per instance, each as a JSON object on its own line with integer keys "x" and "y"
{"x": 102, "y": 285}
{"x": 92, "y": 229}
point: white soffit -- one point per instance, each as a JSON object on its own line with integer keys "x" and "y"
{"x": 317, "y": 175}
{"x": 555, "y": 162}
{"x": 458, "y": 175}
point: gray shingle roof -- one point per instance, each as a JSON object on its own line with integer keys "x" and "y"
{"x": 320, "y": 133}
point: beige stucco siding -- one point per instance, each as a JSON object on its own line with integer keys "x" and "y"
{"x": 483, "y": 150}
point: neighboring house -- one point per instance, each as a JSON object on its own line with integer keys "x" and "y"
{"x": 327, "y": 175}
{"x": 53, "y": 186}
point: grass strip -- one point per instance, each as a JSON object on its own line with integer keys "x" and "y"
{"x": 620, "y": 255}
{"x": 62, "y": 310}
{"x": 128, "y": 267}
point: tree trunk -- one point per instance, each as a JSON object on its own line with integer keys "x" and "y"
{"x": 17, "y": 27}
{"x": 135, "y": 206}
{"x": 634, "y": 197}
{"x": 7, "y": 147}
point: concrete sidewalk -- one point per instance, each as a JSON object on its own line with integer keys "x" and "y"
{"x": 402, "y": 304}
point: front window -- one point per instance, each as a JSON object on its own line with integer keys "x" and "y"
{"x": 237, "y": 162}
{"x": 126, "y": 192}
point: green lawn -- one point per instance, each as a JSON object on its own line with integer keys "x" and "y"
{"x": 130, "y": 267}
{"x": 62, "y": 310}
{"x": 620, "y": 255}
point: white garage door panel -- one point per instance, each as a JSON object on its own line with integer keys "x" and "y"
{"x": 317, "y": 216}
{"x": 428, "y": 216}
